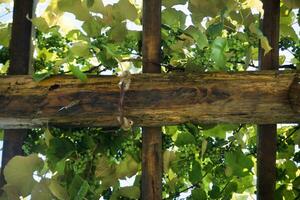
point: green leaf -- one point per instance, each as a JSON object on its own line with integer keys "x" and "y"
{"x": 296, "y": 137}
{"x": 132, "y": 192}
{"x": 184, "y": 138}
{"x": 230, "y": 188}
{"x": 40, "y": 77}
{"x": 90, "y": 3}
{"x": 288, "y": 31}
{"x": 41, "y": 191}
{"x": 195, "y": 174}
{"x": 41, "y": 24}
{"x": 214, "y": 193}
{"x": 57, "y": 190}
{"x": 5, "y": 32}
{"x": 239, "y": 163}
{"x": 127, "y": 167}
{"x": 199, "y": 37}
{"x": 11, "y": 192}
{"x": 215, "y": 30}
{"x": 78, "y": 188}
{"x": 93, "y": 27}
{"x": 265, "y": 45}
{"x": 170, "y": 3}
{"x": 199, "y": 194}
{"x": 22, "y": 178}
{"x": 173, "y": 17}
{"x": 168, "y": 157}
{"x": 263, "y": 40}
{"x": 218, "y": 52}
{"x": 219, "y": 131}
{"x": 81, "y": 48}
{"x": 291, "y": 169}
{"x": 118, "y": 32}
{"x": 97, "y": 6}
{"x": 59, "y": 148}
{"x": 292, "y": 3}
{"x": 78, "y": 8}
{"x": 125, "y": 10}
{"x": 78, "y": 73}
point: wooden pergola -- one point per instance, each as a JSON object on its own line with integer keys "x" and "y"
{"x": 265, "y": 98}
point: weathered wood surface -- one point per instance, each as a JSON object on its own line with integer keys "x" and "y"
{"x": 20, "y": 50}
{"x": 152, "y": 158}
{"x": 267, "y": 133}
{"x": 152, "y": 100}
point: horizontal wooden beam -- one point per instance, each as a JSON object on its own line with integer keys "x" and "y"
{"x": 152, "y": 99}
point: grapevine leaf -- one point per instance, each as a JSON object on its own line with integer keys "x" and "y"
{"x": 128, "y": 167}
{"x": 59, "y": 148}
{"x": 78, "y": 188}
{"x": 239, "y": 163}
{"x": 90, "y": 3}
{"x": 195, "y": 174}
{"x": 92, "y": 27}
{"x": 78, "y": 8}
{"x": 57, "y": 190}
{"x": 291, "y": 169}
{"x": 263, "y": 40}
{"x": 125, "y": 10}
{"x": 199, "y": 194}
{"x": 230, "y": 188}
{"x": 97, "y": 6}
{"x": 5, "y": 32}
{"x": 132, "y": 192}
{"x": 78, "y": 73}
{"x": 173, "y": 17}
{"x": 41, "y": 24}
{"x": 292, "y": 3}
{"x": 296, "y": 137}
{"x": 80, "y": 48}
{"x": 168, "y": 157}
{"x": 218, "y": 52}
{"x": 103, "y": 167}
{"x": 170, "y": 3}
{"x": 118, "y": 32}
{"x": 198, "y": 36}
{"x": 265, "y": 45}
{"x": 185, "y": 138}
{"x": 41, "y": 191}
{"x": 288, "y": 31}
{"x": 215, "y": 30}
{"x": 214, "y": 193}
{"x": 39, "y": 77}
{"x": 22, "y": 179}
{"x": 11, "y": 192}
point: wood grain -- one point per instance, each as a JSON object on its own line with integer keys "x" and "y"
{"x": 152, "y": 100}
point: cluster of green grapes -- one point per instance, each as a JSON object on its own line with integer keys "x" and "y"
{"x": 53, "y": 42}
{"x": 287, "y": 43}
{"x": 201, "y": 59}
{"x": 236, "y": 52}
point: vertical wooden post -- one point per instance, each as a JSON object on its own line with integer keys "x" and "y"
{"x": 152, "y": 138}
{"x": 266, "y": 140}
{"x": 20, "y": 62}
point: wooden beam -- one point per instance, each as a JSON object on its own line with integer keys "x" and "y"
{"x": 266, "y": 138}
{"x": 152, "y": 166}
{"x": 20, "y": 50}
{"x": 152, "y": 100}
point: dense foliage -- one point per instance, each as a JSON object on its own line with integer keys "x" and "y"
{"x": 215, "y": 161}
